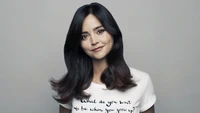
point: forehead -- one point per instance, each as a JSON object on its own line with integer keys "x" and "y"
{"x": 90, "y": 22}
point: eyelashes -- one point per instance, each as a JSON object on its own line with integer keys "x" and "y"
{"x": 98, "y": 32}
{"x": 84, "y": 37}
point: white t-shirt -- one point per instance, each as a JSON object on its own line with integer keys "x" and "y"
{"x": 102, "y": 100}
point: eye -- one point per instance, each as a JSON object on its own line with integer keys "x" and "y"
{"x": 84, "y": 37}
{"x": 99, "y": 32}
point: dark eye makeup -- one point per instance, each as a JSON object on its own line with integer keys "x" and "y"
{"x": 84, "y": 36}
{"x": 100, "y": 31}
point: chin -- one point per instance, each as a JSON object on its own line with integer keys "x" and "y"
{"x": 99, "y": 59}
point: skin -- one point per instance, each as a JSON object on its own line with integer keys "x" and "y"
{"x": 64, "y": 110}
{"x": 95, "y": 36}
{"x": 150, "y": 110}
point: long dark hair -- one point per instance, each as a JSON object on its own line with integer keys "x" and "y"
{"x": 80, "y": 69}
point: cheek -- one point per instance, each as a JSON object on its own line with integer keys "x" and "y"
{"x": 110, "y": 41}
{"x": 107, "y": 39}
{"x": 111, "y": 44}
{"x": 83, "y": 45}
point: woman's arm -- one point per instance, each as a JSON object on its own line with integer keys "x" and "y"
{"x": 64, "y": 110}
{"x": 150, "y": 110}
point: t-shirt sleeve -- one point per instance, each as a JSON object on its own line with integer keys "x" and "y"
{"x": 67, "y": 105}
{"x": 148, "y": 99}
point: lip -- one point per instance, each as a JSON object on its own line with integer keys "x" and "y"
{"x": 97, "y": 49}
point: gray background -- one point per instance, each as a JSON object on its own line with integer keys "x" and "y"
{"x": 160, "y": 38}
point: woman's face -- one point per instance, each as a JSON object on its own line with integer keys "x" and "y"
{"x": 96, "y": 42}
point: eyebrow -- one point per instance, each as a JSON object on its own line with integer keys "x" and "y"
{"x": 85, "y": 32}
{"x": 97, "y": 27}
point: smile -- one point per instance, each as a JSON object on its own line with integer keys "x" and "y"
{"x": 97, "y": 49}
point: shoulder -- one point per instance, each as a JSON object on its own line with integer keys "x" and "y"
{"x": 144, "y": 88}
{"x": 138, "y": 75}
{"x": 141, "y": 78}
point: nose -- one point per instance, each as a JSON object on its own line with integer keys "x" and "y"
{"x": 94, "y": 41}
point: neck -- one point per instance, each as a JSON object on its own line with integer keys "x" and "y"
{"x": 98, "y": 67}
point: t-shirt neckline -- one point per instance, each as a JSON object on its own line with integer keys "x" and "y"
{"x": 103, "y": 86}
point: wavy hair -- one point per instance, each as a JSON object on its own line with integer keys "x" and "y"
{"x": 79, "y": 65}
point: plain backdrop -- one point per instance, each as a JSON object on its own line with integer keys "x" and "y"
{"x": 161, "y": 37}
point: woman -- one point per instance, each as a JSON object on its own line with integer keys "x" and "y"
{"x": 98, "y": 78}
